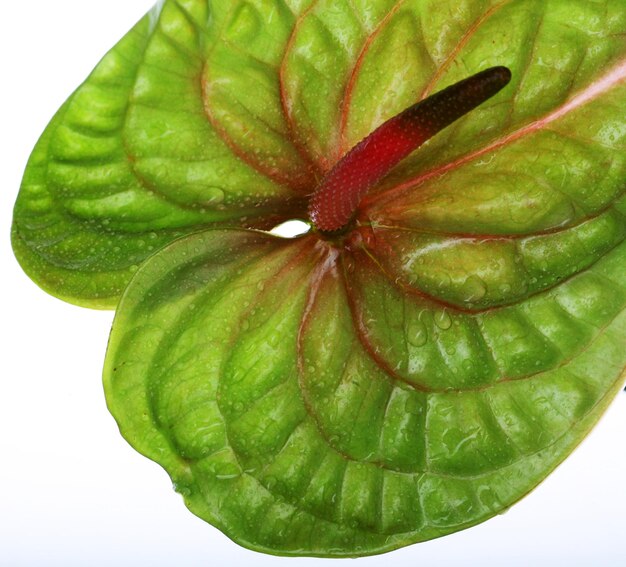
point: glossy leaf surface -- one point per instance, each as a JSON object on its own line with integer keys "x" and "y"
{"x": 228, "y": 113}
{"x": 417, "y": 375}
{"x": 305, "y": 405}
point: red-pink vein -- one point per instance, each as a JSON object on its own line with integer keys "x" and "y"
{"x": 347, "y": 96}
{"x": 460, "y": 45}
{"x": 285, "y": 103}
{"x": 274, "y": 173}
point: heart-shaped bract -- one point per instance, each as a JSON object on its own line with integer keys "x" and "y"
{"x": 416, "y": 373}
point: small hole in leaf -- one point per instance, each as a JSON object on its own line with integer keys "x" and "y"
{"x": 291, "y": 229}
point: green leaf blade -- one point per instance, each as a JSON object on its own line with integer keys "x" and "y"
{"x": 214, "y": 441}
{"x": 264, "y": 399}
{"x": 345, "y": 395}
{"x": 131, "y": 162}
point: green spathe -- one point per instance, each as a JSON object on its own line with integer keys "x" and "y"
{"x": 417, "y": 376}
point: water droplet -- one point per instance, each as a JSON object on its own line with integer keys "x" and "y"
{"x": 505, "y": 288}
{"x": 212, "y": 196}
{"x": 443, "y": 320}
{"x": 443, "y": 280}
{"x": 473, "y": 289}
{"x": 226, "y": 476}
{"x": 350, "y": 264}
{"x": 417, "y": 333}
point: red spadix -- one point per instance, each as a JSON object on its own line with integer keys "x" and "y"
{"x": 339, "y": 193}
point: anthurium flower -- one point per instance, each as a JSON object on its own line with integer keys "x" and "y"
{"x": 449, "y": 329}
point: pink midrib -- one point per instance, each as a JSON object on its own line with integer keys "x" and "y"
{"x": 604, "y": 84}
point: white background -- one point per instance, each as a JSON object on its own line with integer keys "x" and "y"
{"x": 72, "y": 492}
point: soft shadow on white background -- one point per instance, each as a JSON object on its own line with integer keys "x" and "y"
{"x": 73, "y": 493}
